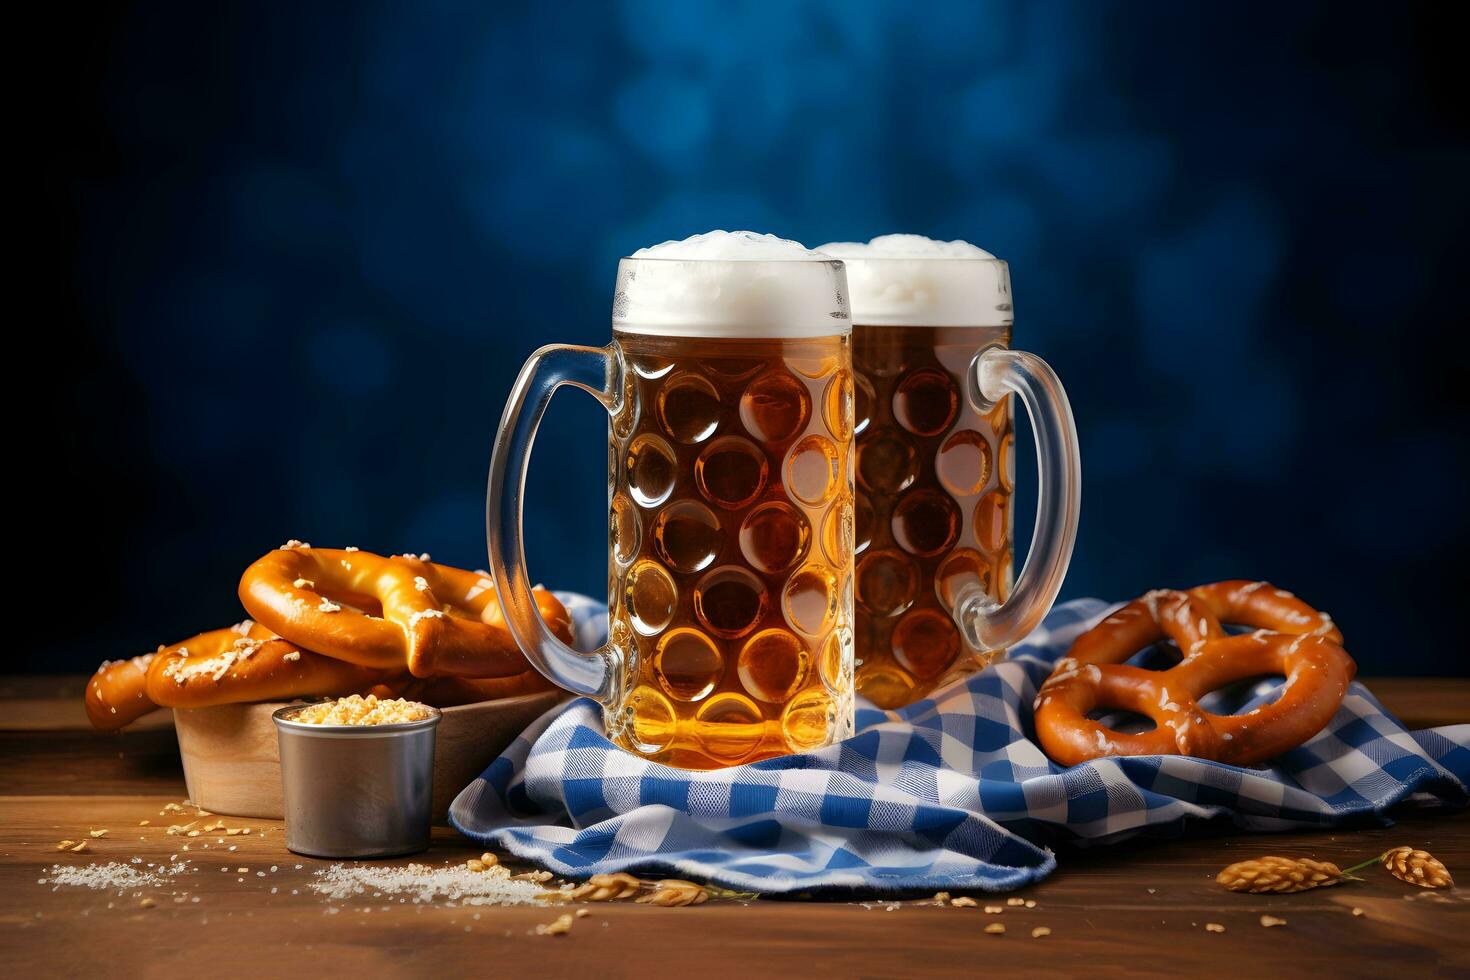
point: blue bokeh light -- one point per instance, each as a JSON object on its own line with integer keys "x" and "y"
{"x": 376, "y": 215}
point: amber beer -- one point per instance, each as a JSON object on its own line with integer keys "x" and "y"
{"x": 934, "y": 482}
{"x": 729, "y": 391}
{"x": 937, "y": 595}
{"x": 731, "y": 553}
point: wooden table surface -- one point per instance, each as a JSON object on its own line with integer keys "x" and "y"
{"x": 1138, "y": 908}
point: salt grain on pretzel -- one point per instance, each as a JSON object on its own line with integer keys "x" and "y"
{"x": 1291, "y": 638}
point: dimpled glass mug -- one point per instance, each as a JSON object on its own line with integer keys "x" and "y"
{"x": 728, "y": 386}
{"x": 936, "y": 466}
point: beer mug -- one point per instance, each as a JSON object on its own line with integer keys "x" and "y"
{"x": 936, "y": 466}
{"x": 728, "y": 387}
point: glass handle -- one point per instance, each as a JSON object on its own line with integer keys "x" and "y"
{"x": 595, "y": 370}
{"x": 987, "y": 624}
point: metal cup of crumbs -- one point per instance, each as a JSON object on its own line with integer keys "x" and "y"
{"x": 360, "y": 789}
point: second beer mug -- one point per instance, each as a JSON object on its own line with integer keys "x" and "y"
{"x": 728, "y": 386}
{"x": 936, "y": 465}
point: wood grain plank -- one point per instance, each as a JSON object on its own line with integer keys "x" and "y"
{"x": 1424, "y": 702}
{"x": 1139, "y": 907}
{"x": 1135, "y": 908}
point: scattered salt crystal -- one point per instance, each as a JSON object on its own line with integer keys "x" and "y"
{"x": 424, "y": 883}
{"x": 113, "y": 875}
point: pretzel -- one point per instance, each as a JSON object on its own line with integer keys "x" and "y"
{"x": 247, "y": 662}
{"x": 446, "y": 692}
{"x": 443, "y": 641}
{"x": 389, "y": 613}
{"x": 116, "y": 695}
{"x": 243, "y": 663}
{"x": 1290, "y": 638}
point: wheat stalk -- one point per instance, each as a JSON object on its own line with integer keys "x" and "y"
{"x": 1416, "y": 867}
{"x": 669, "y": 893}
{"x": 673, "y": 893}
{"x": 605, "y": 888}
{"x": 1279, "y": 875}
{"x": 1284, "y": 875}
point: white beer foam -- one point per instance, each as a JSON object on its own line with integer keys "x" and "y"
{"x": 731, "y": 284}
{"x": 913, "y": 281}
{"x": 731, "y": 246}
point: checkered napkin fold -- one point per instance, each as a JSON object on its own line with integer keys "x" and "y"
{"x": 949, "y": 793}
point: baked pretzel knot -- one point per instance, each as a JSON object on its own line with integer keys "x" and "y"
{"x": 245, "y": 662}
{"x": 389, "y": 613}
{"x": 1290, "y": 638}
{"x": 330, "y": 622}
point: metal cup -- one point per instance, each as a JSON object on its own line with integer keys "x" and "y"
{"x": 356, "y": 791}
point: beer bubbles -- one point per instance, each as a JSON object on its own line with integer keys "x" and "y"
{"x": 733, "y": 514}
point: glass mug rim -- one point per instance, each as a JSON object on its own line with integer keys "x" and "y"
{"x": 732, "y": 295}
{"x": 898, "y": 290}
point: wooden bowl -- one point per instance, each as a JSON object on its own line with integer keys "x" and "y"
{"x": 232, "y": 766}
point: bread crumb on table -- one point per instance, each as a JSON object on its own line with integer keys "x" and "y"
{"x": 559, "y": 927}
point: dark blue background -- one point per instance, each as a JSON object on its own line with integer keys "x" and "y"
{"x": 290, "y": 260}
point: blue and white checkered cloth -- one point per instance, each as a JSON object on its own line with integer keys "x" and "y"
{"x": 948, "y": 793}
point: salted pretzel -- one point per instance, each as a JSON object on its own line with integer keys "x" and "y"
{"x": 1290, "y": 638}
{"x": 242, "y": 663}
{"x": 246, "y": 663}
{"x": 117, "y": 693}
{"x": 443, "y": 621}
{"x": 446, "y": 692}
{"x": 389, "y": 613}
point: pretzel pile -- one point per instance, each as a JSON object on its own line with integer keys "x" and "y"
{"x": 329, "y": 622}
{"x": 1290, "y": 638}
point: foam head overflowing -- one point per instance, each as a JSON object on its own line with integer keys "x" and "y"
{"x": 910, "y": 280}
{"x": 731, "y": 284}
